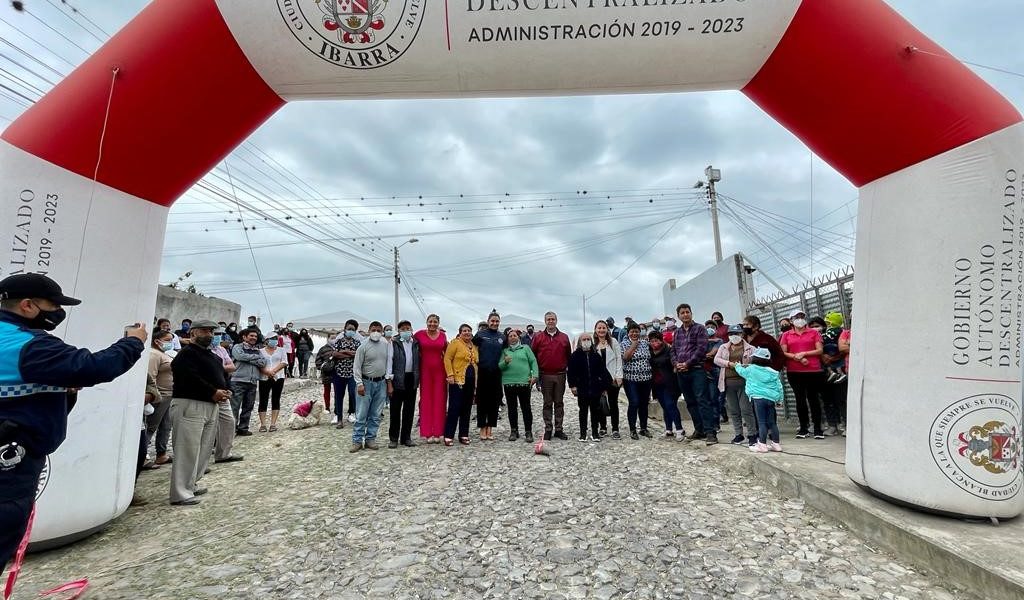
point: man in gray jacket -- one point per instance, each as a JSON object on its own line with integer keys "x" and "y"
{"x": 403, "y": 377}
{"x": 249, "y": 363}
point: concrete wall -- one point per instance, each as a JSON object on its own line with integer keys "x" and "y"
{"x": 177, "y": 305}
{"x": 725, "y": 287}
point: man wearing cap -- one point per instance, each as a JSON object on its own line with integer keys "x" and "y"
{"x": 39, "y": 375}
{"x": 200, "y": 387}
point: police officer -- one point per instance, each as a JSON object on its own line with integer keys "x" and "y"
{"x": 39, "y": 375}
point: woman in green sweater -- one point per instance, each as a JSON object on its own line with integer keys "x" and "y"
{"x": 518, "y": 374}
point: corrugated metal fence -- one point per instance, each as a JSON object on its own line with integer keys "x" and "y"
{"x": 831, "y": 293}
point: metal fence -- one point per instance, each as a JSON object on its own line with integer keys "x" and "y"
{"x": 830, "y": 293}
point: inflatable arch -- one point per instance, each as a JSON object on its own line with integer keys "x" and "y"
{"x": 88, "y": 175}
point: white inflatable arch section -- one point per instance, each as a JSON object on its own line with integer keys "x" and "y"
{"x": 935, "y": 394}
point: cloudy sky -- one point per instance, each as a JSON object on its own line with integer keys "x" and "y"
{"x": 458, "y": 174}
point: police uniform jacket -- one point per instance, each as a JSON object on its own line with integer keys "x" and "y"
{"x": 36, "y": 370}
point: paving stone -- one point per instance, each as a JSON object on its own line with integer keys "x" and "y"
{"x": 302, "y": 518}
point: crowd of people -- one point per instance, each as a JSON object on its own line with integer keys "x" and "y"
{"x": 708, "y": 366}
{"x": 206, "y": 378}
{"x": 726, "y": 375}
{"x": 204, "y": 381}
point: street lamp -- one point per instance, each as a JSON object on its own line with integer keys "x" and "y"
{"x": 398, "y": 278}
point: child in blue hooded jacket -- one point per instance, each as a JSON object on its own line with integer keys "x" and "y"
{"x": 764, "y": 388}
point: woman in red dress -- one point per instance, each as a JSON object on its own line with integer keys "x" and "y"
{"x": 433, "y": 382}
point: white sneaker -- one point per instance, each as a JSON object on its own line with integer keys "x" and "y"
{"x": 334, "y": 420}
{"x": 775, "y": 446}
{"x": 759, "y": 447}
{"x": 351, "y": 418}
{"x": 680, "y": 434}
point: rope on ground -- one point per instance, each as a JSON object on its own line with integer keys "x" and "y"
{"x": 814, "y": 456}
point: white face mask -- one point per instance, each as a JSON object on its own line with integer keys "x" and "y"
{"x": 586, "y": 344}
{"x": 735, "y": 339}
{"x": 799, "y": 323}
{"x": 375, "y": 336}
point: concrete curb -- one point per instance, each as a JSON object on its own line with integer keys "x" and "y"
{"x": 875, "y": 520}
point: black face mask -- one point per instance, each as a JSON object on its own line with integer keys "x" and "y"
{"x": 748, "y": 331}
{"x": 203, "y": 341}
{"x": 786, "y": 327}
{"x": 48, "y": 320}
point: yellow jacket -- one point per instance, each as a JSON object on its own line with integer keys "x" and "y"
{"x": 457, "y": 358}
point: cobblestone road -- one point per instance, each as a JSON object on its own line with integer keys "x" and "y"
{"x": 302, "y": 518}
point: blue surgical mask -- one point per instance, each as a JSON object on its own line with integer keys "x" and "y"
{"x": 388, "y": 332}
{"x": 711, "y": 331}
{"x": 405, "y": 335}
{"x": 167, "y": 346}
{"x": 217, "y": 339}
{"x": 272, "y": 343}
{"x": 350, "y": 334}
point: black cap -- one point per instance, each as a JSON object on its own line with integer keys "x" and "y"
{"x": 34, "y": 285}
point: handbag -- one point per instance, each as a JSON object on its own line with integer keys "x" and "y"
{"x": 606, "y": 406}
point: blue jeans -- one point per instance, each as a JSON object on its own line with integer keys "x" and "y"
{"x": 340, "y": 385}
{"x": 669, "y": 401}
{"x": 766, "y": 420}
{"x": 637, "y": 393}
{"x": 368, "y": 410}
{"x": 717, "y": 397}
{"x": 693, "y": 384}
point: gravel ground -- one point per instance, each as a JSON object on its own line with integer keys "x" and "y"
{"x": 302, "y": 518}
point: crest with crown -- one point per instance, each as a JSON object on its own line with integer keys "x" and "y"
{"x": 355, "y": 21}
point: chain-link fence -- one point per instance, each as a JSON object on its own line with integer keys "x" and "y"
{"x": 831, "y": 293}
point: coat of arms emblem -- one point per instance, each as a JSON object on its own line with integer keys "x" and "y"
{"x": 354, "y": 20}
{"x": 993, "y": 446}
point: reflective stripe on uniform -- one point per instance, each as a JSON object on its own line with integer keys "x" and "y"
{"x": 27, "y": 389}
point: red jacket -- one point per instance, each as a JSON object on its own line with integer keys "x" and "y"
{"x": 552, "y": 351}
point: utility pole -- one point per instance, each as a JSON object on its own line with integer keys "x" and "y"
{"x": 714, "y": 175}
{"x": 398, "y": 278}
{"x": 584, "y": 312}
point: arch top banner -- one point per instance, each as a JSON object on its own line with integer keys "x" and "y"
{"x": 442, "y": 48}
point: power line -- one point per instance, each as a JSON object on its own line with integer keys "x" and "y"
{"x": 252, "y": 253}
{"x": 76, "y": 22}
{"x": 637, "y": 259}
